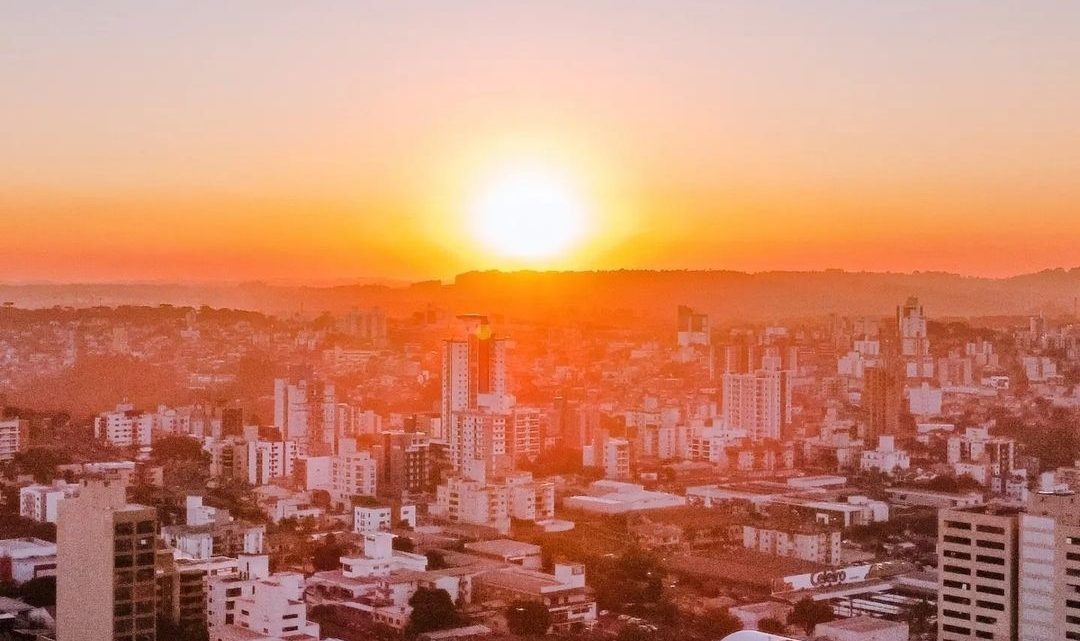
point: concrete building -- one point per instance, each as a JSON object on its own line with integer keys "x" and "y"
{"x": 564, "y": 593}
{"x": 474, "y": 368}
{"x": 914, "y": 345}
{"x": 261, "y": 461}
{"x": 692, "y": 328}
{"x": 882, "y": 402}
{"x": 494, "y": 503}
{"x": 41, "y": 502}
{"x": 1049, "y": 609}
{"x": 27, "y": 558}
{"x": 14, "y": 437}
{"x": 978, "y": 549}
{"x": 795, "y": 539}
{"x": 614, "y": 497}
{"x": 352, "y": 473}
{"x": 106, "y": 552}
{"x": 375, "y": 517}
{"x": 224, "y": 591}
{"x": 759, "y": 402}
{"x": 863, "y": 628}
{"x": 125, "y": 427}
{"x": 886, "y": 458}
{"x": 617, "y": 459}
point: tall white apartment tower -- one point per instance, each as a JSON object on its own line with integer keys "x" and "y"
{"x": 759, "y": 403}
{"x": 914, "y": 344}
{"x": 1050, "y": 568}
{"x": 291, "y": 408}
{"x": 474, "y": 380}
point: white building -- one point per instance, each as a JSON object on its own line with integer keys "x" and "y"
{"x": 617, "y": 459}
{"x": 223, "y": 591}
{"x": 808, "y": 542}
{"x": 125, "y": 427}
{"x": 1039, "y": 368}
{"x": 375, "y": 518}
{"x": 262, "y": 462}
{"x": 26, "y": 559}
{"x": 276, "y": 607}
{"x": 886, "y": 458}
{"x": 39, "y": 502}
{"x": 914, "y": 344}
{"x": 352, "y": 473}
{"x": 614, "y": 497}
{"x": 14, "y": 437}
{"x": 380, "y": 559}
{"x": 462, "y": 499}
{"x": 759, "y": 403}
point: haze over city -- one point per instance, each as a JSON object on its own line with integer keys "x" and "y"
{"x": 604, "y": 320}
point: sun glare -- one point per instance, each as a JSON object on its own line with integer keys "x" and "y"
{"x": 528, "y": 213}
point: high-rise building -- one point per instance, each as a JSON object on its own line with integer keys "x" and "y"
{"x": 474, "y": 369}
{"x": 759, "y": 403}
{"x": 978, "y": 549}
{"x": 693, "y": 328}
{"x": 617, "y": 459}
{"x": 882, "y": 402}
{"x": 106, "y": 552}
{"x": 914, "y": 346}
{"x": 1050, "y": 568}
{"x": 406, "y": 464}
{"x": 14, "y": 437}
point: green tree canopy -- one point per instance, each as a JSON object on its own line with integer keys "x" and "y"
{"x": 528, "y": 618}
{"x": 432, "y": 610}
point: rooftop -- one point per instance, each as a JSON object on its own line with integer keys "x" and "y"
{"x": 503, "y": 548}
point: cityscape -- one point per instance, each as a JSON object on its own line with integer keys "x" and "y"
{"x": 482, "y": 321}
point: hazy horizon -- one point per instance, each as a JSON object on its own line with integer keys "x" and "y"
{"x": 314, "y": 143}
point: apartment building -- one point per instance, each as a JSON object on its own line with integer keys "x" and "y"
{"x": 40, "y": 502}
{"x": 1050, "y": 568}
{"x": 14, "y": 437}
{"x": 978, "y": 548}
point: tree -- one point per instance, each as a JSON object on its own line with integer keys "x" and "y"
{"x": 432, "y": 610}
{"x": 528, "y": 618}
{"x": 719, "y": 623}
{"x": 634, "y": 633}
{"x": 808, "y": 613}
{"x": 41, "y": 462}
{"x": 327, "y": 556}
{"x": 39, "y": 592}
{"x": 403, "y": 544}
{"x": 918, "y": 616}
{"x": 436, "y": 560}
{"x": 771, "y": 625}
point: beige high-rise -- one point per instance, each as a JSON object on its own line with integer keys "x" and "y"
{"x": 106, "y": 550}
{"x": 978, "y": 553}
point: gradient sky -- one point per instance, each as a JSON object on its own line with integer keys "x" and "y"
{"x": 328, "y": 141}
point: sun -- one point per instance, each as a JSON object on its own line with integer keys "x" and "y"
{"x": 529, "y": 213}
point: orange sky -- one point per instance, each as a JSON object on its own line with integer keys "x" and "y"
{"x": 290, "y": 142}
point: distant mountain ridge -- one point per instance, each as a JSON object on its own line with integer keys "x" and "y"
{"x": 645, "y": 294}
